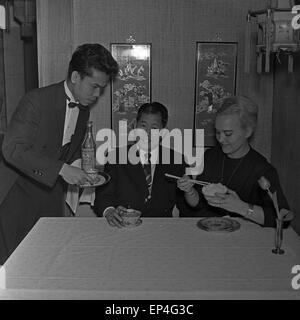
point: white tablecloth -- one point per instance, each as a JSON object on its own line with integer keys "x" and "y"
{"x": 84, "y": 258}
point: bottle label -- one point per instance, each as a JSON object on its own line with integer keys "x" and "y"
{"x": 88, "y": 159}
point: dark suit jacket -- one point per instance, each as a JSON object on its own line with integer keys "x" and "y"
{"x": 32, "y": 145}
{"x": 128, "y": 188}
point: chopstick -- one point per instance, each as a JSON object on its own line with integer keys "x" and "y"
{"x": 202, "y": 183}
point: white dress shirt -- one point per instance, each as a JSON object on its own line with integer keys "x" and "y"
{"x": 88, "y": 194}
{"x": 70, "y": 118}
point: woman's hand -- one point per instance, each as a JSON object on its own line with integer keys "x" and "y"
{"x": 190, "y": 193}
{"x": 185, "y": 184}
{"x": 229, "y": 201}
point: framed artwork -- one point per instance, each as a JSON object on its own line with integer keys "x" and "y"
{"x": 215, "y": 80}
{"x": 132, "y": 86}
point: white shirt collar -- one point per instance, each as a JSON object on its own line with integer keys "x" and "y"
{"x": 154, "y": 155}
{"x": 68, "y": 92}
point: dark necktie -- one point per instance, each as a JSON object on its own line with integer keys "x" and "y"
{"x": 147, "y": 171}
{"x": 76, "y": 104}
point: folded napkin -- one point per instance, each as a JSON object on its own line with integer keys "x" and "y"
{"x": 73, "y": 199}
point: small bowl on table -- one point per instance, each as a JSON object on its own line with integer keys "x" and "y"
{"x": 131, "y": 217}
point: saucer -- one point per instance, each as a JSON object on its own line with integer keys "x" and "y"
{"x": 218, "y": 224}
{"x": 138, "y": 223}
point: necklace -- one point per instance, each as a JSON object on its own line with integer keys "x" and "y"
{"x": 233, "y": 171}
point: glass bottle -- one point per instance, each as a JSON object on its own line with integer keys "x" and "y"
{"x": 88, "y": 150}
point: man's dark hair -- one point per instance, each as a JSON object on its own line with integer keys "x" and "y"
{"x": 154, "y": 108}
{"x": 92, "y": 55}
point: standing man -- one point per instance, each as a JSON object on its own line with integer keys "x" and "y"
{"x": 41, "y": 142}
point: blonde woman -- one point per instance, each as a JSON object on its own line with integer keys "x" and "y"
{"x": 237, "y": 166}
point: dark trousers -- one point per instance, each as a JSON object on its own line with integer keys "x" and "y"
{"x": 26, "y": 202}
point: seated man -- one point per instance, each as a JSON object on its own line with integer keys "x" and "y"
{"x": 142, "y": 186}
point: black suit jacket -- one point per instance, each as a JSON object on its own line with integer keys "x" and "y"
{"x": 32, "y": 145}
{"x": 128, "y": 188}
{"x": 30, "y": 185}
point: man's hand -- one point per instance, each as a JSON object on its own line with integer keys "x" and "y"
{"x": 114, "y": 218}
{"x": 74, "y": 175}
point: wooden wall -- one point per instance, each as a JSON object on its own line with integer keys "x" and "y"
{"x": 55, "y": 39}
{"x": 173, "y": 27}
{"x": 286, "y": 132}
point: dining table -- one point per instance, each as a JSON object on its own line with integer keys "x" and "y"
{"x": 162, "y": 258}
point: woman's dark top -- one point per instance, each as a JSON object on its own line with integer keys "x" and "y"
{"x": 240, "y": 175}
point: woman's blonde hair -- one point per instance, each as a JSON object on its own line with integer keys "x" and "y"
{"x": 244, "y": 107}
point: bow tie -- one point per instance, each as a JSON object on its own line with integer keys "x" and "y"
{"x": 76, "y": 104}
